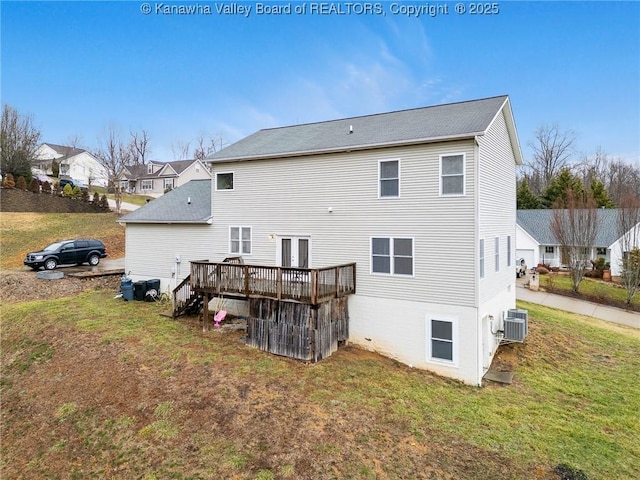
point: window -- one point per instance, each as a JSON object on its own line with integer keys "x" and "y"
{"x": 392, "y": 256}
{"x": 224, "y": 181}
{"x": 146, "y": 185}
{"x": 452, "y": 174}
{"x": 168, "y": 183}
{"x": 389, "y": 175}
{"x": 509, "y": 251}
{"x": 481, "y": 258}
{"x": 240, "y": 240}
{"x": 150, "y": 168}
{"x": 441, "y": 340}
{"x": 497, "y": 253}
{"x": 549, "y": 249}
{"x": 601, "y": 251}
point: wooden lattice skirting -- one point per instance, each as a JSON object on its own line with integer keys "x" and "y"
{"x": 298, "y": 330}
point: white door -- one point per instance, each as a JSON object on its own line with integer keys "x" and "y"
{"x": 294, "y": 252}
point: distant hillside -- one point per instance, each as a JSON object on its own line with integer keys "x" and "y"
{"x": 14, "y": 200}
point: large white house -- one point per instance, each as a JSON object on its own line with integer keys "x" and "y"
{"x": 422, "y": 200}
{"x": 537, "y": 244}
{"x": 76, "y": 163}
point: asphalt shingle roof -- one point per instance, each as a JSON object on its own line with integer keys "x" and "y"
{"x": 537, "y": 223}
{"x": 174, "y": 206}
{"x": 440, "y": 122}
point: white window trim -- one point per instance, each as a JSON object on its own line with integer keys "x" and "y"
{"x": 146, "y": 182}
{"x": 454, "y": 339}
{"x": 241, "y": 253}
{"x": 392, "y": 264}
{"x": 215, "y": 182}
{"x": 380, "y": 162}
{"x": 464, "y": 175}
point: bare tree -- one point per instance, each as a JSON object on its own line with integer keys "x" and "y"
{"x": 113, "y": 154}
{"x": 575, "y": 228}
{"x": 622, "y": 180}
{"x": 139, "y": 147}
{"x": 552, "y": 150}
{"x": 204, "y": 148}
{"x": 74, "y": 141}
{"x": 628, "y": 225}
{"x": 180, "y": 150}
{"x": 19, "y": 140}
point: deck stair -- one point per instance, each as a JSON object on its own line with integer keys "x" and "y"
{"x": 185, "y": 300}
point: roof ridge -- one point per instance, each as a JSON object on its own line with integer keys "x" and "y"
{"x": 402, "y": 110}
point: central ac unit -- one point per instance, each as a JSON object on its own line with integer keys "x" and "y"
{"x": 515, "y": 329}
{"x": 520, "y": 313}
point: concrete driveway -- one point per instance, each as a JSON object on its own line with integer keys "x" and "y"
{"x": 107, "y": 266}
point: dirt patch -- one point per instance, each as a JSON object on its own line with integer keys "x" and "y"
{"x": 23, "y": 286}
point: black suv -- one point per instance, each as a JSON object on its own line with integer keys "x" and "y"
{"x": 67, "y": 252}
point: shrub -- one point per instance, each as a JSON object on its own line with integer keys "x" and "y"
{"x": 67, "y": 191}
{"x": 96, "y": 199}
{"x": 77, "y": 193}
{"x": 104, "y": 203}
{"x": 21, "y": 184}
{"x": 542, "y": 270}
{"x": 46, "y": 187}
{"x": 34, "y": 186}
{"x": 84, "y": 196}
{"x": 8, "y": 181}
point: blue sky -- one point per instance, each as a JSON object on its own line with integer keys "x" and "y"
{"x": 79, "y": 67}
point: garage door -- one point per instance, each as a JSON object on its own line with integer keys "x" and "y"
{"x": 527, "y": 255}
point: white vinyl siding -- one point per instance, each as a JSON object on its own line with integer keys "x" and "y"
{"x": 509, "y": 251}
{"x": 452, "y": 178}
{"x": 441, "y": 227}
{"x": 481, "y": 258}
{"x": 392, "y": 256}
{"x": 497, "y": 253}
{"x": 240, "y": 240}
{"x": 389, "y": 178}
{"x": 496, "y": 203}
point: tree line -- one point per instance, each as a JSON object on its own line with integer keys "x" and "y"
{"x": 556, "y": 167}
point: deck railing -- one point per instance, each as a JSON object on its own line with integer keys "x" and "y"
{"x": 307, "y": 285}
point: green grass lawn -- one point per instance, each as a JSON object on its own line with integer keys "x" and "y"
{"x": 592, "y": 287}
{"x": 575, "y": 400}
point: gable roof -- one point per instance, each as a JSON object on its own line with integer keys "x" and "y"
{"x": 405, "y": 127}
{"x": 189, "y": 203}
{"x": 64, "y": 150}
{"x": 537, "y": 223}
{"x": 167, "y": 169}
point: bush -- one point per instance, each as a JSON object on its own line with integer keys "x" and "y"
{"x": 8, "y": 181}
{"x": 84, "y": 196}
{"x": 542, "y": 270}
{"x": 34, "y": 186}
{"x": 21, "y": 184}
{"x": 77, "y": 193}
{"x": 46, "y": 187}
{"x": 67, "y": 191}
{"x": 104, "y": 203}
{"x": 96, "y": 199}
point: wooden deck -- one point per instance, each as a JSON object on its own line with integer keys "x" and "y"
{"x": 305, "y": 285}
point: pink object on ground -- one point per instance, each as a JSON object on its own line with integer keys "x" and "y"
{"x": 219, "y": 317}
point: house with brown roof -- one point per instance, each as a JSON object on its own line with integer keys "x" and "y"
{"x": 156, "y": 178}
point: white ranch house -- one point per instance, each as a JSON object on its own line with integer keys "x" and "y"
{"x": 76, "y": 163}
{"x": 422, "y": 201}
{"x": 537, "y": 244}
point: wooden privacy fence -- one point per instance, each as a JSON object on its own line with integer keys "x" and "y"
{"x": 305, "y": 285}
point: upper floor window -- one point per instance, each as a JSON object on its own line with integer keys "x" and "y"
{"x": 549, "y": 249}
{"x": 389, "y": 178}
{"x": 452, "y": 174}
{"x": 224, "y": 181}
{"x": 150, "y": 168}
{"x": 601, "y": 250}
{"x": 393, "y": 256}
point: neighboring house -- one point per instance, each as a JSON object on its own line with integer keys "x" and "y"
{"x": 76, "y": 163}
{"x": 155, "y": 178}
{"x": 422, "y": 200}
{"x": 537, "y": 244}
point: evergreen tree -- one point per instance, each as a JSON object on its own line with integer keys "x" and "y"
{"x": 55, "y": 168}
{"x": 8, "y": 181}
{"x": 96, "y": 199}
{"x": 526, "y": 200}
{"x": 556, "y": 193}
{"x": 77, "y": 193}
{"x": 67, "y": 191}
{"x": 600, "y": 195}
{"x": 46, "y": 187}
